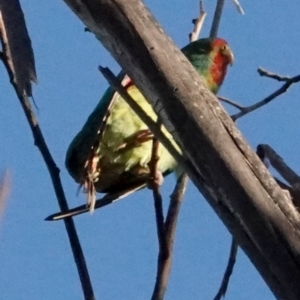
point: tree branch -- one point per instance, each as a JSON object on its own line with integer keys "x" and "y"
{"x": 217, "y": 18}
{"x": 198, "y": 23}
{"x": 21, "y": 92}
{"x": 288, "y": 82}
{"x": 282, "y": 168}
{"x": 230, "y": 264}
{"x": 164, "y": 262}
{"x": 217, "y": 158}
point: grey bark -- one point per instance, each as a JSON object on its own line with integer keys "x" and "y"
{"x": 260, "y": 216}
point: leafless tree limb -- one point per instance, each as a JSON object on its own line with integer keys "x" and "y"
{"x": 238, "y": 6}
{"x": 16, "y": 45}
{"x": 198, "y": 23}
{"x": 217, "y": 18}
{"x": 158, "y": 201}
{"x": 282, "y": 168}
{"x": 164, "y": 262}
{"x": 22, "y": 92}
{"x": 246, "y": 110}
{"x": 153, "y": 126}
{"x": 220, "y": 162}
{"x": 230, "y": 264}
{"x": 232, "y": 103}
{"x": 264, "y": 73}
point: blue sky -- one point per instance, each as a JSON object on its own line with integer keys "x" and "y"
{"x": 120, "y": 241}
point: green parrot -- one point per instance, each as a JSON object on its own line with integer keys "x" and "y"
{"x": 112, "y": 151}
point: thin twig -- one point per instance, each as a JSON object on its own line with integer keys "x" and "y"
{"x": 238, "y": 6}
{"x": 164, "y": 263}
{"x": 198, "y": 23}
{"x": 217, "y": 18}
{"x": 158, "y": 201}
{"x": 282, "y": 168}
{"x": 153, "y": 126}
{"x": 55, "y": 177}
{"x": 228, "y": 272}
{"x": 264, "y": 73}
{"x": 232, "y": 103}
{"x": 246, "y": 110}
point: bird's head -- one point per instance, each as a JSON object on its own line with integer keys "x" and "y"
{"x": 220, "y": 50}
{"x": 210, "y": 57}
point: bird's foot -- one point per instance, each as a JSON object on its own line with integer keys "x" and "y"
{"x": 137, "y": 139}
{"x": 156, "y": 181}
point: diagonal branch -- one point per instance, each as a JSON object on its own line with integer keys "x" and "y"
{"x": 278, "y": 163}
{"x": 55, "y": 177}
{"x": 228, "y": 272}
{"x": 198, "y": 23}
{"x": 246, "y": 110}
{"x": 217, "y": 18}
{"x": 164, "y": 262}
{"x": 264, "y": 73}
{"x": 153, "y": 126}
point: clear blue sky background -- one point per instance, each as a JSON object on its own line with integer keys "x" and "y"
{"x": 120, "y": 241}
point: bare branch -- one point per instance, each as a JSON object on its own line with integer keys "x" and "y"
{"x": 54, "y": 174}
{"x": 198, "y": 23}
{"x": 164, "y": 262}
{"x": 219, "y": 161}
{"x": 217, "y": 18}
{"x": 282, "y": 168}
{"x": 16, "y": 45}
{"x": 230, "y": 264}
{"x": 158, "y": 201}
{"x": 232, "y": 103}
{"x": 264, "y": 73}
{"x": 153, "y": 126}
{"x": 246, "y": 110}
{"x": 238, "y": 6}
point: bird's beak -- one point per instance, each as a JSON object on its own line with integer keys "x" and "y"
{"x": 230, "y": 55}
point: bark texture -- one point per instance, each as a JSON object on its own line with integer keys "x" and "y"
{"x": 257, "y": 212}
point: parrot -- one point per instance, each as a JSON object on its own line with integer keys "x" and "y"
{"x": 111, "y": 153}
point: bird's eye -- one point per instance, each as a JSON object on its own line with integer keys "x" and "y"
{"x": 224, "y": 47}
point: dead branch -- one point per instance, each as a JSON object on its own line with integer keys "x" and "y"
{"x": 16, "y": 45}
{"x": 217, "y": 18}
{"x": 164, "y": 262}
{"x": 153, "y": 126}
{"x": 228, "y": 272}
{"x": 264, "y": 73}
{"x": 219, "y": 161}
{"x": 238, "y": 6}
{"x": 232, "y": 103}
{"x": 282, "y": 168}
{"x": 22, "y": 91}
{"x": 246, "y": 110}
{"x": 198, "y": 23}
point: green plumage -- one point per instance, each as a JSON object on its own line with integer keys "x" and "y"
{"x": 107, "y": 152}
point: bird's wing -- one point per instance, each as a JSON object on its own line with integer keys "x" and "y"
{"x": 80, "y": 149}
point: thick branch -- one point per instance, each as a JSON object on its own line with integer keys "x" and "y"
{"x": 221, "y": 164}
